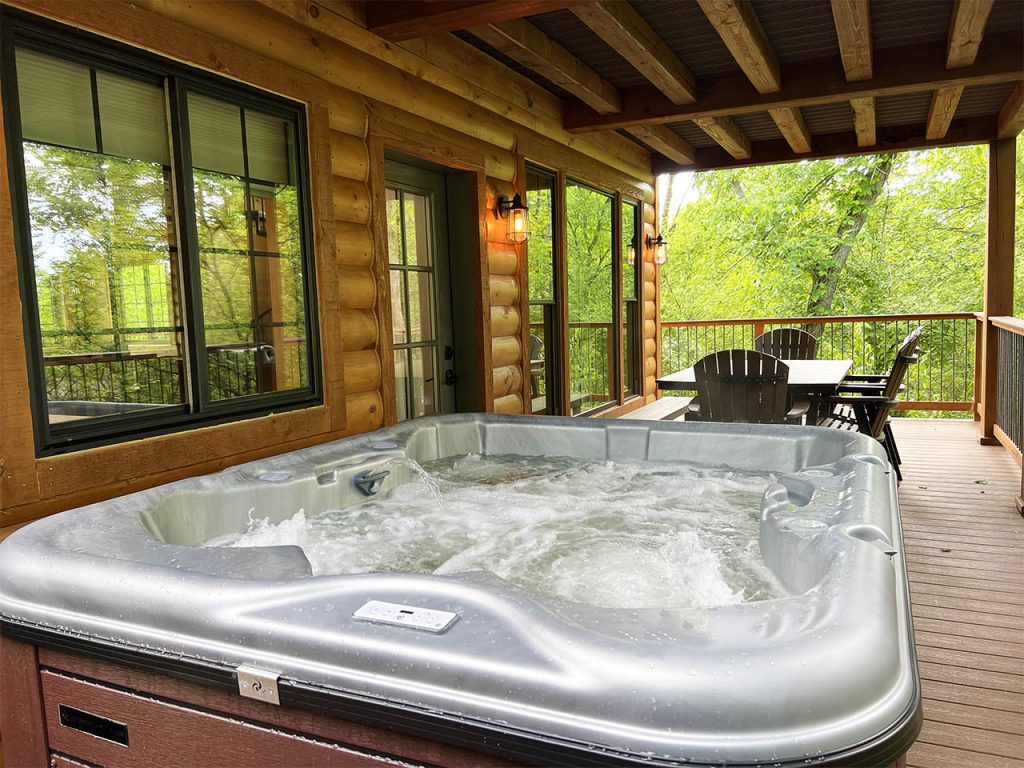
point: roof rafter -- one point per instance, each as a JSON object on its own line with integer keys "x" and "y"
{"x": 406, "y": 19}
{"x": 741, "y": 31}
{"x": 727, "y": 134}
{"x": 529, "y": 46}
{"x": 523, "y": 42}
{"x": 853, "y": 29}
{"x": 966, "y": 29}
{"x": 900, "y": 70}
{"x": 1011, "y": 116}
{"x": 628, "y": 34}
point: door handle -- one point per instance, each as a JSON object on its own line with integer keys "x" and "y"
{"x": 450, "y": 377}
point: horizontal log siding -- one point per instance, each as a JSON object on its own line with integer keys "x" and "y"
{"x": 441, "y": 89}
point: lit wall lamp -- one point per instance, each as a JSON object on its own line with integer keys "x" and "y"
{"x": 658, "y": 246}
{"x": 516, "y": 212}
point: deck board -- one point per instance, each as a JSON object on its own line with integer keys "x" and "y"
{"x": 965, "y": 558}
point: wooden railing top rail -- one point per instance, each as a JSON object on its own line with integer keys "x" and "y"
{"x": 1012, "y": 324}
{"x": 824, "y": 319}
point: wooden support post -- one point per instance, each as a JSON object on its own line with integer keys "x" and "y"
{"x": 998, "y": 271}
{"x": 21, "y": 706}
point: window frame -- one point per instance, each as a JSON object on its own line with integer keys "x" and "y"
{"x": 22, "y": 30}
{"x": 631, "y": 389}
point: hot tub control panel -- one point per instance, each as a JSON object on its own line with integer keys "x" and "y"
{"x": 400, "y": 615}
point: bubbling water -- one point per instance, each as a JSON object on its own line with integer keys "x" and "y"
{"x": 611, "y": 534}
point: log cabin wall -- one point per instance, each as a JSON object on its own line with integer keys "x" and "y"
{"x": 436, "y": 98}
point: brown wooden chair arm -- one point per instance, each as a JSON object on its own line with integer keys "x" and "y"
{"x": 867, "y": 389}
{"x": 866, "y": 377}
{"x": 799, "y": 409}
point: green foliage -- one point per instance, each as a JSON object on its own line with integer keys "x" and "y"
{"x": 752, "y": 240}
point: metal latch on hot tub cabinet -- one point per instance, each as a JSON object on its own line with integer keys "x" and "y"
{"x": 256, "y": 683}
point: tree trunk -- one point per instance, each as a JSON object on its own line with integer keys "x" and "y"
{"x": 825, "y": 281}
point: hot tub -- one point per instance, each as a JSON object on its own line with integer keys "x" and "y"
{"x": 822, "y": 671}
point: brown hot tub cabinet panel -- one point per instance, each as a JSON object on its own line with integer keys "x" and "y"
{"x": 112, "y": 715}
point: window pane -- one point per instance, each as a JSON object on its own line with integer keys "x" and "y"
{"x": 417, "y": 230}
{"x": 421, "y": 303}
{"x": 540, "y": 253}
{"x": 133, "y": 118}
{"x": 398, "y": 309}
{"x": 267, "y": 141}
{"x": 538, "y": 357}
{"x": 215, "y": 132}
{"x": 422, "y": 382}
{"x": 251, "y": 261}
{"x": 630, "y": 338}
{"x": 106, "y": 283}
{"x": 55, "y": 97}
{"x": 589, "y": 261}
{"x": 402, "y": 384}
{"x": 630, "y": 249}
{"x": 394, "y": 213}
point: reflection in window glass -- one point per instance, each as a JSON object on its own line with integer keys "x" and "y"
{"x": 250, "y": 253}
{"x": 540, "y": 199}
{"x": 591, "y": 302}
{"x": 410, "y": 253}
{"x": 630, "y": 327}
{"x": 103, "y": 236}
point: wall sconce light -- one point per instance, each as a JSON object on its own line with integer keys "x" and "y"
{"x": 516, "y": 212}
{"x": 631, "y": 252}
{"x": 658, "y": 246}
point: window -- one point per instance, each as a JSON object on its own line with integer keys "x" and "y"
{"x": 631, "y": 261}
{"x": 541, "y": 254}
{"x": 162, "y": 219}
{"x": 590, "y": 259}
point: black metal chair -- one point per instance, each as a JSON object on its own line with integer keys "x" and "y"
{"x": 741, "y": 385}
{"x": 787, "y": 344}
{"x": 865, "y": 401}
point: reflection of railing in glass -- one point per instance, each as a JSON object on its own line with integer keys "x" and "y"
{"x": 591, "y": 357}
{"x": 148, "y": 379}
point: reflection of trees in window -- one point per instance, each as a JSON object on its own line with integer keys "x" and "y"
{"x": 113, "y": 318}
{"x": 591, "y": 303}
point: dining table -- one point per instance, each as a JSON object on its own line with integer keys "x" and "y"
{"x": 811, "y": 379}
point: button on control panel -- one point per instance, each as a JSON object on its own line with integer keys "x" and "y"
{"x": 400, "y": 615}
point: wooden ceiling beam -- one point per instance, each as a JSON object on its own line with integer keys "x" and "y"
{"x": 793, "y": 128}
{"x": 529, "y": 46}
{"x": 1011, "y": 116}
{"x": 727, "y": 134}
{"x": 890, "y": 139}
{"x": 742, "y": 33}
{"x": 523, "y": 42}
{"x": 663, "y": 140}
{"x": 966, "y": 29}
{"x": 898, "y": 71}
{"x": 864, "y": 120}
{"x": 853, "y": 28}
{"x": 407, "y": 19}
{"x": 625, "y": 30}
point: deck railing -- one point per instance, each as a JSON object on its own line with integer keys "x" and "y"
{"x": 943, "y": 379}
{"x": 1009, "y": 420}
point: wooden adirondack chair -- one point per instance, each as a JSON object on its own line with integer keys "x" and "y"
{"x": 741, "y": 385}
{"x": 787, "y": 344}
{"x": 865, "y": 401}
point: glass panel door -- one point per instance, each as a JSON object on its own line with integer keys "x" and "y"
{"x": 543, "y": 339}
{"x": 592, "y": 357}
{"x": 420, "y": 292}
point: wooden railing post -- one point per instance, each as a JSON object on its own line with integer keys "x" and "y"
{"x": 999, "y": 236}
{"x": 979, "y": 325}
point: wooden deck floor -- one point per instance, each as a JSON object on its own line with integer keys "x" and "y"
{"x": 965, "y": 555}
